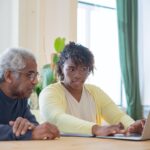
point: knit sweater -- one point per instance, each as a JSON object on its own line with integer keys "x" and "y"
{"x": 10, "y": 109}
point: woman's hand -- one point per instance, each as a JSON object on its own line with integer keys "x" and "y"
{"x": 108, "y": 130}
{"x": 137, "y": 127}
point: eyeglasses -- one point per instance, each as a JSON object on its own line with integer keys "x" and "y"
{"x": 31, "y": 75}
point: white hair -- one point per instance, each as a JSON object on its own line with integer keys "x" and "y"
{"x": 14, "y": 59}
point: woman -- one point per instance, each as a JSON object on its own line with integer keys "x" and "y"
{"x": 77, "y": 107}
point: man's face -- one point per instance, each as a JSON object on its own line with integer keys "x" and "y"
{"x": 23, "y": 84}
{"x": 74, "y": 76}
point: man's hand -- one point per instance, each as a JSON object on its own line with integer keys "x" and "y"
{"x": 21, "y": 125}
{"x": 45, "y": 131}
{"x": 108, "y": 130}
{"x": 137, "y": 126}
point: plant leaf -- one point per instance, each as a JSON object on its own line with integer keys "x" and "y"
{"x": 55, "y": 58}
{"x": 38, "y": 88}
{"x": 47, "y": 75}
{"x": 59, "y": 44}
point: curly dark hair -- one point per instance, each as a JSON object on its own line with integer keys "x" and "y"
{"x": 79, "y": 54}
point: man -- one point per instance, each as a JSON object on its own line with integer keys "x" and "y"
{"x": 18, "y": 76}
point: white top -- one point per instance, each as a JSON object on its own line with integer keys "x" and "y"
{"x": 84, "y": 109}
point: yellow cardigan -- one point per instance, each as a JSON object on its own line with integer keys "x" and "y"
{"x": 53, "y": 106}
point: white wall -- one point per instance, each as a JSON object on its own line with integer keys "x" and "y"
{"x": 34, "y": 24}
{"x": 41, "y": 21}
{"x": 60, "y": 20}
{"x": 8, "y": 24}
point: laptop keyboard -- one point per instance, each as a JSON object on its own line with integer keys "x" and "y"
{"x": 127, "y": 135}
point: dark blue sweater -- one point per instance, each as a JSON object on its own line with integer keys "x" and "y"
{"x": 10, "y": 109}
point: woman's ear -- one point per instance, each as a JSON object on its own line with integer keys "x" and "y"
{"x": 8, "y": 76}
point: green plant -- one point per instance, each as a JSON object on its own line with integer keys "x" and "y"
{"x": 48, "y": 71}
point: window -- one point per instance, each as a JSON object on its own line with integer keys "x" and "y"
{"x": 97, "y": 30}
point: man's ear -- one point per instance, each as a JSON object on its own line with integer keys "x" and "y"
{"x": 8, "y": 76}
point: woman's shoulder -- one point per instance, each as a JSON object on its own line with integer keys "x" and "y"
{"x": 98, "y": 93}
{"x": 53, "y": 87}
{"x": 91, "y": 86}
{"x": 94, "y": 89}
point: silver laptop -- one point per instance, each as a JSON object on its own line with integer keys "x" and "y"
{"x": 145, "y": 134}
{"x": 136, "y": 137}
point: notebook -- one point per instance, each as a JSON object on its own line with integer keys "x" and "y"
{"x": 136, "y": 137}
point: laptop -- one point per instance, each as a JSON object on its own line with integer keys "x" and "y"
{"x": 135, "y": 137}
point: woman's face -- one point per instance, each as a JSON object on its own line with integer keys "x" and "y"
{"x": 74, "y": 76}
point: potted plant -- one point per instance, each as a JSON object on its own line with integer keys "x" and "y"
{"x": 48, "y": 72}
